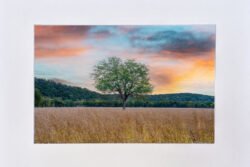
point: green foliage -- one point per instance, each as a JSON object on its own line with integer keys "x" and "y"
{"x": 127, "y": 78}
{"x": 181, "y": 97}
{"x": 52, "y": 89}
{"x": 38, "y": 97}
{"x": 51, "y": 94}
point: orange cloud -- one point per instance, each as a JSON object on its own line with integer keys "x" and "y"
{"x": 60, "y": 33}
{"x": 192, "y": 71}
{"x": 60, "y": 52}
{"x": 59, "y": 41}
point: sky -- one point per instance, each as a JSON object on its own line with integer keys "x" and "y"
{"x": 180, "y": 58}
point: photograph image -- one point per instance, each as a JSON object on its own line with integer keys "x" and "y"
{"x": 124, "y": 83}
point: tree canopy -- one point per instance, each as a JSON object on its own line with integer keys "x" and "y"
{"x": 127, "y": 78}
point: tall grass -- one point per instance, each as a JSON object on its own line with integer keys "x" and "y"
{"x": 134, "y": 125}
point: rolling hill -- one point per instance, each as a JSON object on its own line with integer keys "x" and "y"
{"x": 57, "y": 94}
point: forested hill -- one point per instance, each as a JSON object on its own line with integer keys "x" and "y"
{"x": 51, "y": 93}
{"x": 181, "y": 97}
{"x": 53, "y": 89}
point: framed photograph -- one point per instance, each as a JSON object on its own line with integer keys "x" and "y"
{"x": 124, "y": 83}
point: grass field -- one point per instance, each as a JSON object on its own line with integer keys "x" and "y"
{"x": 134, "y": 125}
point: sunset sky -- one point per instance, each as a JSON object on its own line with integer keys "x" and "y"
{"x": 179, "y": 58}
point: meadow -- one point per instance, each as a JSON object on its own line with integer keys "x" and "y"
{"x": 114, "y": 125}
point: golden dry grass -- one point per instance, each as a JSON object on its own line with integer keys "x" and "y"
{"x": 134, "y": 125}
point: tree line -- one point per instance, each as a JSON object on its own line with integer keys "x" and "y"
{"x": 52, "y": 94}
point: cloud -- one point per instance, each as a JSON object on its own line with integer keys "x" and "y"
{"x": 102, "y": 32}
{"x": 59, "y": 41}
{"x": 58, "y": 52}
{"x": 185, "y": 42}
{"x": 60, "y": 33}
{"x": 100, "y": 35}
{"x": 158, "y": 77}
{"x": 187, "y": 75}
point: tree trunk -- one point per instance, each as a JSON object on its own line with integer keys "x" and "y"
{"x": 124, "y": 104}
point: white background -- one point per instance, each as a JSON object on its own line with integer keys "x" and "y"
{"x": 232, "y": 88}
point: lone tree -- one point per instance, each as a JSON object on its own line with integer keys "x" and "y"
{"x": 127, "y": 78}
